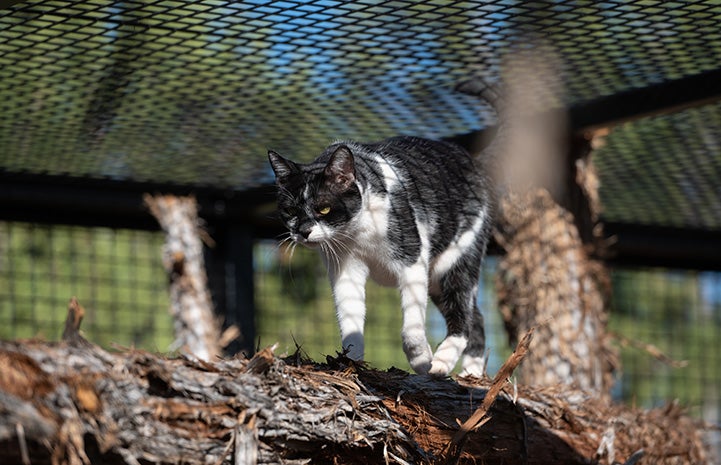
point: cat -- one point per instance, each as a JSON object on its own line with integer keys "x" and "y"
{"x": 407, "y": 212}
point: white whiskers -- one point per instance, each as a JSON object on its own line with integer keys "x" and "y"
{"x": 335, "y": 247}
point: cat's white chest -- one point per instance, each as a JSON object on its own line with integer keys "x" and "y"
{"x": 372, "y": 221}
{"x": 372, "y": 245}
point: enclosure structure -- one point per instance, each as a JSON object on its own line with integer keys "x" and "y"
{"x": 105, "y": 101}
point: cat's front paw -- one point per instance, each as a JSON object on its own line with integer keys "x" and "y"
{"x": 421, "y": 367}
{"x": 440, "y": 369}
{"x": 447, "y": 354}
{"x": 353, "y": 346}
{"x": 420, "y": 361}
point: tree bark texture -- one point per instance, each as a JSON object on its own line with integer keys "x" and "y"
{"x": 75, "y": 403}
{"x": 547, "y": 223}
{"x": 547, "y": 280}
{"x": 197, "y": 331}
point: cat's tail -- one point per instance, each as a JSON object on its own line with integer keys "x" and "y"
{"x": 493, "y": 95}
{"x": 479, "y": 87}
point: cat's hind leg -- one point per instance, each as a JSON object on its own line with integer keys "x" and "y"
{"x": 474, "y": 357}
{"x": 466, "y": 338}
{"x": 455, "y": 297}
{"x": 454, "y": 306}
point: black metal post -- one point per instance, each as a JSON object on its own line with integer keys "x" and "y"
{"x": 230, "y": 278}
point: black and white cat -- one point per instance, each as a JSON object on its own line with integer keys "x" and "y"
{"x": 406, "y": 212}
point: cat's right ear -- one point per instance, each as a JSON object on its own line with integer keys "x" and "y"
{"x": 340, "y": 170}
{"x": 281, "y": 167}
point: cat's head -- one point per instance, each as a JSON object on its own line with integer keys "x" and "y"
{"x": 317, "y": 201}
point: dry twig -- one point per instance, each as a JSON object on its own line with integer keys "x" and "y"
{"x": 480, "y": 416}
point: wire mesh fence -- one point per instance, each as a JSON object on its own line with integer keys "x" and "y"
{"x": 116, "y": 274}
{"x": 669, "y": 327}
{"x": 111, "y": 83}
{"x": 666, "y": 322}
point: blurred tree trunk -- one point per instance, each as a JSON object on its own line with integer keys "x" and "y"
{"x": 547, "y": 223}
{"x": 549, "y": 280}
{"x": 197, "y": 331}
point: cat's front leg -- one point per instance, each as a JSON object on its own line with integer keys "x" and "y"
{"x": 348, "y": 281}
{"x": 413, "y": 285}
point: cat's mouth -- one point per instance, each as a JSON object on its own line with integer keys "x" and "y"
{"x": 311, "y": 244}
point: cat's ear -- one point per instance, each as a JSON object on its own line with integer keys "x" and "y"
{"x": 281, "y": 167}
{"x": 340, "y": 170}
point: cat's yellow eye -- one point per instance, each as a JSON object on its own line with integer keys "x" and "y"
{"x": 324, "y": 210}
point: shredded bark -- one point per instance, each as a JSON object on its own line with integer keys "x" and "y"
{"x": 68, "y": 403}
{"x": 76, "y": 313}
{"x": 547, "y": 280}
{"x": 480, "y": 417}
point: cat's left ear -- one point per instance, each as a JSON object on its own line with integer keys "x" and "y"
{"x": 340, "y": 170}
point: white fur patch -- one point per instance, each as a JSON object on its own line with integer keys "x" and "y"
{"x": 447, "y": 355}
{"x": 318, "y": 233}
{"x": 473, "y": 366}
{"x": 459, "y": 246}
{"x": 372, "y": 222}
{"x": 306, "y": 192}
{"x": 414, "y": 300}
{"x": 425, "y": 242}
{"x": 349, "y": 296}
{"x": 390, "y": 177}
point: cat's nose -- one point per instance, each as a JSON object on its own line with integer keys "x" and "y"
{"x": 304, "y": 230}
